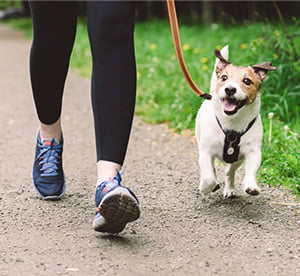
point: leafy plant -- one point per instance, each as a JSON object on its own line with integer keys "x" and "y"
{"x": 281, "y": 156}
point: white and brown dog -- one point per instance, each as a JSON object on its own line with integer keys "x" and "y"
{"x": 229, "y": 126}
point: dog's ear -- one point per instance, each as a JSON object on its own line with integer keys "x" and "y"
{"x": 222, "y": 61}
{"x": 262, "y": 69}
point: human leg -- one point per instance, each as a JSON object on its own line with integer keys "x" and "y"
{"x": 111, "y": 26}
{"x": 54, "y": 27}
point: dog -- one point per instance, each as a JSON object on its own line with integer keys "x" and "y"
{"x": 228, "y": 127}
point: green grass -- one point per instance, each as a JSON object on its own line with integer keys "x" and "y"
{"x": 170, "y": 98}
{"x": 164, "y": 96}
{"x": 281, "y": 155}
{"x": 23, "y": 24}
{"x": 5, "y": 5}
{"x": 81, "y": 56}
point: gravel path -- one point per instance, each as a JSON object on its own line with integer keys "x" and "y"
{"x": 179, "y": 233}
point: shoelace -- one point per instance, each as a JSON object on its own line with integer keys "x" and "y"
{"x": 49, "y": 158}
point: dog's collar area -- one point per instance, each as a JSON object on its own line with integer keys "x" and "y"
{"x": 206, "y": 96}
{"x": 231, "y": 148}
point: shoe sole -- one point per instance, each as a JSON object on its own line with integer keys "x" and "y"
{"x": 117, "y": 208}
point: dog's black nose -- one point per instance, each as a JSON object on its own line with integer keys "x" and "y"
{"x": 230, "y": 90}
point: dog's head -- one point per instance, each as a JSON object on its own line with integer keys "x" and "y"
{"x": 238, "y": 86}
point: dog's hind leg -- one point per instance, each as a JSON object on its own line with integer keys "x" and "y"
{"x": 229, "y": 190}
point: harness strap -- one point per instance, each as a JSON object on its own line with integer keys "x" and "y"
{"x": 177, "y": 44}
{"x": 231, "y": 148}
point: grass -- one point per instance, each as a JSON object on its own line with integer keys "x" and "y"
{"x": 281, "y": 156}
{"x": 164, "y": 96}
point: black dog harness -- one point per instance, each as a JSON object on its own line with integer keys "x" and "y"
{"x": 232, "y": 139}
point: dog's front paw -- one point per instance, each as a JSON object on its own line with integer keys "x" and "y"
{"x": 252, "y": 190}
{"x": 229, "y": 193}
{"x": 209, "y": 188}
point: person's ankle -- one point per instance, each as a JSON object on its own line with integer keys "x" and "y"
{"x": 106, "y": 170}
{"x": 51, "y": 131}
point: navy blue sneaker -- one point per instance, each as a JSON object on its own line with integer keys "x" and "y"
{"x": 48, "y": 176}
{"x": 116, "y": 205}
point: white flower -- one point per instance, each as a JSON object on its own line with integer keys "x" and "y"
{"x": 214, "y": 26}
{"x": 286, "y": 128}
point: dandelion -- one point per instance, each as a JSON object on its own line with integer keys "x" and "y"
{"x": 153, "y": 46}
{"x": 286, "y": 128}
{"x": 186, "y": 47}
{"x": 258, "y": 41}
{"x": 214, "y": 26}
{"x": 277, "y": 33}
{"x": 204, "y": 67}
{"x": 196, "y": 51}
{"x": 244, "y": 46}
{"x": 288, "y": 131}
{"x": 204, "y": 60}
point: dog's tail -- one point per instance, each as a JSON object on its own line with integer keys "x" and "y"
{"x": 213, "y": 82}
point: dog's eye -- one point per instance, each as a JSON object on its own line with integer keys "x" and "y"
{"x": 224, "y": 78}
{"x": 247, "y": 81}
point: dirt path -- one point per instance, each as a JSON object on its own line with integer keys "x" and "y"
{"x": 179, "y": 232}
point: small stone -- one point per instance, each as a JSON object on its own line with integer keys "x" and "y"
{"x": 72, "y": 269}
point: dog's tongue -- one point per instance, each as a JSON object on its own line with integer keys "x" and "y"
{"x": 229, "y": 105}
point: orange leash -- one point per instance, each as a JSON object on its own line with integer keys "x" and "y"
{"x": 177, "y": 44}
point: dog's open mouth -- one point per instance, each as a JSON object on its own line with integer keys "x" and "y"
{"x": 232, "y": 105}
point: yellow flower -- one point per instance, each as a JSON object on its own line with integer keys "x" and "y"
{"x": 204, "y": 60}
{"x": 196, "y": 51}
{"x": 186, "y": 47}
{"x": 277, "y": 33}
{"x": 244, "y": 46}
{"x": 138, "y": 74}
{"x": 256, "y": 42}
{"x": 153, "y": 46}
{"x": 275, "y": 56}
{"x": 259, "y": 40}
{"x": 204, "y": 67}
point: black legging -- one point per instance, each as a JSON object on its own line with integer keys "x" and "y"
{"x": 110, "y": 28}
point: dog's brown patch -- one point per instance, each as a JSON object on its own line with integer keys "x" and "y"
{"x": 248, "y": 80}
